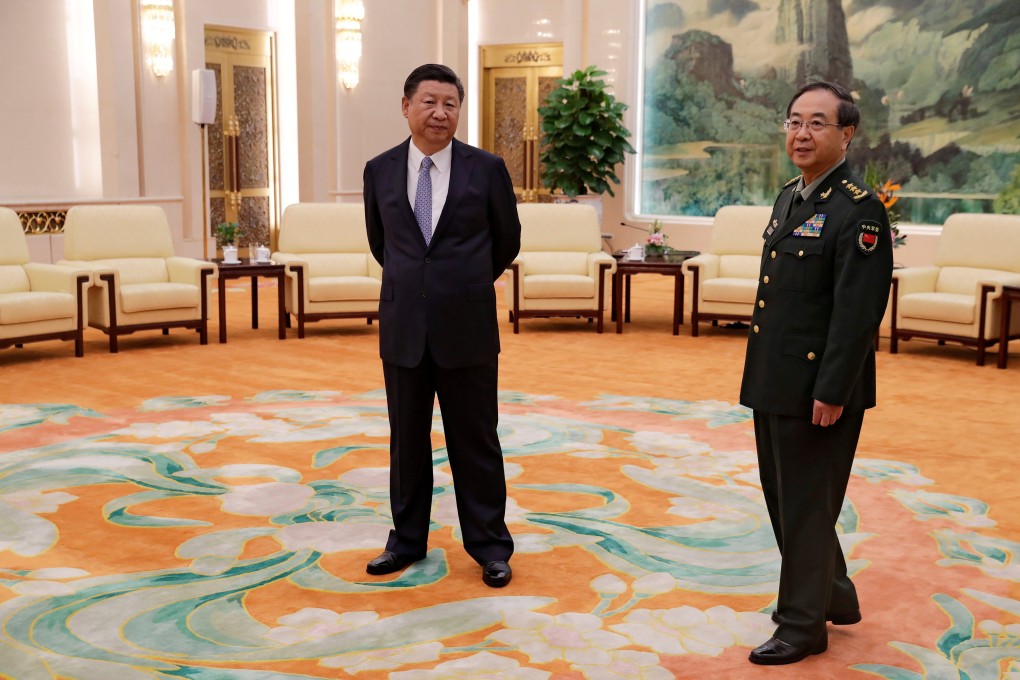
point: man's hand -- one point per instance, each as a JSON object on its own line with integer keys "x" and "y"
{"x": 825, "y": 414}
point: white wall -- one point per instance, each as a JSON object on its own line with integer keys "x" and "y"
{"x": 85, "y": 120}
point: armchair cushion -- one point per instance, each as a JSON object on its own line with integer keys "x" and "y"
{"x": 559, "y": 286}
{"x": 36, "y": 306}
{"x": 326, "y": 288}
{"x": 144, "y": 297}
{"x": 551, "y": 262}
{"x": 14, "y": 279}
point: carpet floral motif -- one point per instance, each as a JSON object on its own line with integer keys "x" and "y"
{"x": 251, "y": 521}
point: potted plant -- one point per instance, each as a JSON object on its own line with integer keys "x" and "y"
{"x": 227, "y": 234}
{"x": 583, "y": 135}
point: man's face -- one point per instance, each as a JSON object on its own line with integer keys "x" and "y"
{"x": 432, "y": 115}
{"x": 816, "y": 152}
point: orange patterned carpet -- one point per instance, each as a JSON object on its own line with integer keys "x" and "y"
{"x": 180, "y": 511}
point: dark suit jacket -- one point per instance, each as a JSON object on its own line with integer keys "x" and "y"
{"x": 441, "y": 295}
{"x": 820, "y": 301}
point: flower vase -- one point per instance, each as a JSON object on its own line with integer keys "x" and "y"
{"x": 654, "y": 251}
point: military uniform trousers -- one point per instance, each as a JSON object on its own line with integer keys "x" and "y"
{"x": 804, "y": 471}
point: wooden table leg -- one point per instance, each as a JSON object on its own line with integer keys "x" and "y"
{"x": 626, "y": 305}
{"x": 222, "y": 285}
{"x": 618, "y": 300}
{"x": 678, "y": 301}
{"x": 254, "y": 302}
{"x": 281, "y": 303}
{"x": 1007, "y": 306}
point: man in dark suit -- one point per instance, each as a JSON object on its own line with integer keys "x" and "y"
{"x": 809, "y": 374}
{"x": 442, "y": 221}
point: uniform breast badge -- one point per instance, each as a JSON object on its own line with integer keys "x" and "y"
{"x": 868, "y": 232}
{"x": 812, "y": 228}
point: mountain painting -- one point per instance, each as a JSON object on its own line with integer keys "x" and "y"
{"x": 937, "y": 82}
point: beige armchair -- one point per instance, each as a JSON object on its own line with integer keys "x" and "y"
{"x": 37, "y": 301}
{"x": 725, "y": 278}
{"x": 561, "y": 269}
{"x": 958, "y": 297}
{"x": 331, "y": 273}
{"x": 139, "y": 283}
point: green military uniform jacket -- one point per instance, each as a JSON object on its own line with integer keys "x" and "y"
{"x": 822, "y": 292}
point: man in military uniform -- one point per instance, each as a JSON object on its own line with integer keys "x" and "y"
{"x": 809, "y": 374}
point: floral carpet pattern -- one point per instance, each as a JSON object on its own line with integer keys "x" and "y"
{"x": 210, "y": 537}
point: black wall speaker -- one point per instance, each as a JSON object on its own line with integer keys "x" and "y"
{"x": 203, "y": 96}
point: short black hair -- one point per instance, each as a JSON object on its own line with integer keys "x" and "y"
{"x": 437, "y": 72}
{"x": 847, "y": 114}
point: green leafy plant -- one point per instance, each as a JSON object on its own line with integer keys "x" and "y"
{"x": 583, "y": 135}
{"x": 227, "y": 233}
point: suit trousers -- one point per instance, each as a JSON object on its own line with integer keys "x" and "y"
{"x": 468, "y": 403}
{"x": 804, "y": 471}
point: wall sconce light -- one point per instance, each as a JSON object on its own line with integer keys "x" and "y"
{"x": 349, "y": 15}
{"x": 159, "y": 32}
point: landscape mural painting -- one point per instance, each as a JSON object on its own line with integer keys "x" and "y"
{"x": 937, "y": 82}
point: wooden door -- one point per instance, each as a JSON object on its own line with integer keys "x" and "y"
{"x": 516, "y": 79}
{"x": 243, "y": 176}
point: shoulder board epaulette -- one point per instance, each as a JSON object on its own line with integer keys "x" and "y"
{"x": 793, "y": 181}
{"x": 855, "y": 192}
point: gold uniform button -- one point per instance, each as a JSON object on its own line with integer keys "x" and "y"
{"x": 766, "y": 279}
{"x": 756, "y": 329}
{"x": 800, "y": 253}
{"x": 811, "y": 356}
{"x": 761, "y": 304}
{"x": 773, "y": 254}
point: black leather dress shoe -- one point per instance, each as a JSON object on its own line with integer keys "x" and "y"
{"x": 834, "y": 619}
{"x": 775, "y": 652}
{"x": 496, "y": 574}
{"x": 387, "y": 563}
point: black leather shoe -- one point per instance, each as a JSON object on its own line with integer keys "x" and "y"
{"x": 387, "y": 563}
{"x": 496, "y": 574}
{"x": 834, "y": 619}
{"x": 775, "y": 652}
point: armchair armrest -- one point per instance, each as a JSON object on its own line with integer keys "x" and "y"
{"x": 707, "y": 263}
{"x": 597, "y": 264}
{"x": 55, "y": 278}
{"x": 996, "y": 285}
{"x": 189, "y": 270}
{"x": 916, "y": 280}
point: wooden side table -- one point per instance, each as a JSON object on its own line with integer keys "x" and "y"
{"x": 269, "y": 270}
{"x": 1010, "y": 294}
{"x": 666, "y": 266}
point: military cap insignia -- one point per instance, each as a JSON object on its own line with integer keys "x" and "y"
{"x": 813, "y": 227}
{"x": 869, "y": 233}
{"x": 853, "y": 191}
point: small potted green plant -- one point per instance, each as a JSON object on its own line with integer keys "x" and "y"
{"x": 227, "y": 234}
{"x": 583, "y": 135}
